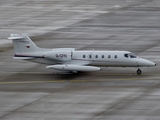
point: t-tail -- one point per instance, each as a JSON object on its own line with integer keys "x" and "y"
{"x": 25, "y": 48}
{"x": 22, "y": 43}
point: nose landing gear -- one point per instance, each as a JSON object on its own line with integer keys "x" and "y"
{"x": 139, "y": 72}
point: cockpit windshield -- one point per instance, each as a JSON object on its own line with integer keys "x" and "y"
{"x": 130, "y": 55}
{"x": 133, "y": 56}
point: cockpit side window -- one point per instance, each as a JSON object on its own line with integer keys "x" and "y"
{"x": 126, "y": 55}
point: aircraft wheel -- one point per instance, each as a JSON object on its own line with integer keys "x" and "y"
{"x": 139, "y": 72}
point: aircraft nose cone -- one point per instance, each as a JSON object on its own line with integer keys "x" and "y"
{"x": 146, "y": 63}
{"x": 150, "y": 63}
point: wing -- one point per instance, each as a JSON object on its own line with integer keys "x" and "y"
{"x": 73, "y": 67}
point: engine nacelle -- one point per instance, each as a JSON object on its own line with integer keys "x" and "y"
{"x": 59, "y": 55}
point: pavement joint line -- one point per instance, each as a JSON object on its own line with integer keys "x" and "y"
{"x": 2, "y": 78}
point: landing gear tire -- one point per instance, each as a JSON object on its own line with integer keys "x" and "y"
{"x": 139, "y": 72}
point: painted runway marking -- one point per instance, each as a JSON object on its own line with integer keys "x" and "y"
{"x": 98, "y": 74}
{"x": 31, "y": 82}
{"x": 69, "y": 81}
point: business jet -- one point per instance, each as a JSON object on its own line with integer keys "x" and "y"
{"x": 71, "y": 60}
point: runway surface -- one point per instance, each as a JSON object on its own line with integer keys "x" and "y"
{"x": 28, "y": 91}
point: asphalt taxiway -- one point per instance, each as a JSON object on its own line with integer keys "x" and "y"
{"x": 29, "y": 91}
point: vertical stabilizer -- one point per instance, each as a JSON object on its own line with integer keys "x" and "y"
{"x": 22, "y": 43}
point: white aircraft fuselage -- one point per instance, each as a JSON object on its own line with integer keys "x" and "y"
{"x": 71, "y": 60}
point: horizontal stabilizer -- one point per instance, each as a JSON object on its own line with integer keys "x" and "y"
{"x": 23, "y": 58}
{"x": 70, "y": 67}
{"x": 15, "y": 38}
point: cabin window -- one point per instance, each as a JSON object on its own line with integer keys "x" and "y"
{"x": 115, "y": 56}
{"x": 102, "y": 56}
{"x": 84, "y": 56}
{"x": 96, "y": 56}
{"x": 109, "y": 56}
{"x": 90, "y": 56}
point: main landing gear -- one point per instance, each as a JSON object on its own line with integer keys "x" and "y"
{"x": 139, "y": 72}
